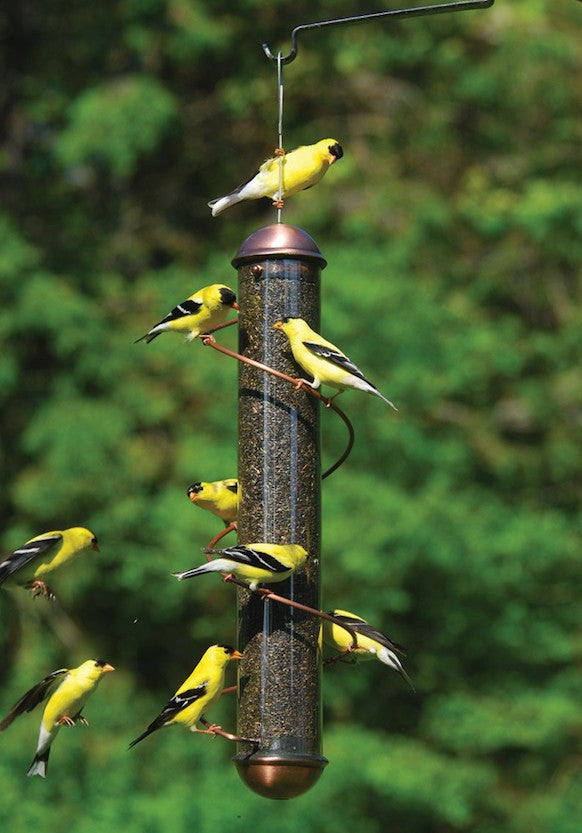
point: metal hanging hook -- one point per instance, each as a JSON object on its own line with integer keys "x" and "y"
{"x": 440, "y": 8}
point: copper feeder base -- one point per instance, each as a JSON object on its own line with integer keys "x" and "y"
{"x": 277, "y": 777}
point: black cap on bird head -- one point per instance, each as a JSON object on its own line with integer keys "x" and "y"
{"x": 336, "y": 150}
{"x": 228, "y": 297}
{"x": 194, "y": 489}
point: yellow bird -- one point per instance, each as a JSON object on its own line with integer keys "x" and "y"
{"x": 196, "y": 694}
{"x": 220, "y": 497}
{"x": 261, "y": 563}
{"x": 199, "y": 313}
{"x": 302, "y": 168}
{"x": 323, "y": 360}
{"x": 371, "y": 642}
{"x": 43, "y": 555}
{"x": 67, "y": 690}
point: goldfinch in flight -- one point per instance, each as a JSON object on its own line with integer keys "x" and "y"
{"x": 323, "y": 360}
{"x": 371, "y": 642}
{"x": 199, "y": 313}
{"x": 67, "y": 691}
{"x": 302, "y": 168}
{"x": 261, "y": 563}
{"x": 220, "y": 497}
{"x": 43, "y": 555}
{"x": 196, "y": 694}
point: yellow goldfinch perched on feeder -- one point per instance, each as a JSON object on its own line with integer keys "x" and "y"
{"x": 41, "y": 556}
{"x": 371, "y": 642}
{"x": 220, "y": 497}
{"x": 323, "y": 360}
{"x": 64, "y": 706}
{"x": 302, "y": 168}
{"x": 199, "y": 313}
{"x": 261, "y": 563}
{"x": 196, "y": 694}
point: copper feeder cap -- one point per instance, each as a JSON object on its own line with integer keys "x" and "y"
{"x": 278, "y": 241}
{"x": 280, "y": 778}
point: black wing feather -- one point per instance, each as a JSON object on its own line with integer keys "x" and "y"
{"x": 25, "y": 554}
{"x": 359, "y": 626}
{"x": 337, "y": 358}
{"x": 254, "y": 558}
{"x": 33, "y": 697}
{"x": 182, "y": 310}
{"x": 177, "y": 704}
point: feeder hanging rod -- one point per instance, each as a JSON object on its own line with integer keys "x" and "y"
{"x": 440, "y": 8}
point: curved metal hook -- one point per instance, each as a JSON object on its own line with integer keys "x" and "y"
{"x": 463, "y": 5}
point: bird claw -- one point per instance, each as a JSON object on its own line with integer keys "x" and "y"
{"x": 229, "y": 577}
{"x": 40, "y": 588}
{"x": 207, "y": 338}
{"x": 278, "y": 203}
{"x": 65, "y": 720}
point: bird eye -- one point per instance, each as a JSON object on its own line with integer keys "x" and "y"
{"x": 94, "y": 540}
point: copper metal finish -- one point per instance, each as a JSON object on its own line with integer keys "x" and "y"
{"x": 280, "y": 778}
{"x": 279, "y": 240}
{"x": 279, "y": 473}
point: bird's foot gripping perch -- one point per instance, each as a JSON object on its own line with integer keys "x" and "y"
{"x": 214, "y": 729}
{"x": 40, "y": 588}
{"x": 65, "y": 720}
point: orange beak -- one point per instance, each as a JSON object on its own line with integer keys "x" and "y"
{"x": 331, "y": 158}
{"x": 277, "y": 325}
{"x": 234, "y": 305}
{"x": 107, "y": 667}
{"x": 236, "y": 655}
{"x": 95, "y": 547}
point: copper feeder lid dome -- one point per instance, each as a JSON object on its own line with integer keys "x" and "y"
{"x": 278, "y": 241}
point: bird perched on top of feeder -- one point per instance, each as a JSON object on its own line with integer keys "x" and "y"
{"x": 196, "y": 694}
{"x": 260, "y": 563}
{"x": 302, "y": 168}
{"x": 221, "y": 497}
{"x": 67, "y": 691}
{"x": 43, "y": 555}
{"x": 323, "y": 360}
{"x": 372, "y": 643}
{"x": 199, "y": 313}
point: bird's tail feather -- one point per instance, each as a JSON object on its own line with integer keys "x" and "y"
{"x": 143, "y": 735}
{"x": 217, "y": 565}
{"x": 389, "y": 401}
{"x": 389, "y": 658}
{"x": 39, "y": 764}
{"x": 222, "y": 203}
{"x": 147, "y": 338}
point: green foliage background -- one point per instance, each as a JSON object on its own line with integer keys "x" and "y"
{"x": 453, "y": 231}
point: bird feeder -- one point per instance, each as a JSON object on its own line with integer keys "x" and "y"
{"x": 279, "y": 700}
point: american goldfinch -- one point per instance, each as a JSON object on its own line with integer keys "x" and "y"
{"x": 67, "y": 690}
{"x": 323, "y": 360}
{"x": 196, "y": 694}
{"x": 41, "y": 556}
{"x": 302, "y": 168}
{"x": 261, "y": 563}
{"x": 371, "y": 642}
{"x": 199, "y": 313}
{"x": 220, "y": 497}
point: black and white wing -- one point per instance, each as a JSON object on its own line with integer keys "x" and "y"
{"x": 33, "y": 697}
{"x": 359, "y": 626}
{"x": 26, "y": 553}
{"x": 173, "y": 707}
{"x": 337, "y": 358}
{"x": 254, "y": 558}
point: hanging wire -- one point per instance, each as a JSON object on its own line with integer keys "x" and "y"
{"x": 417, "y": 11}
{"x": 280, "y": 149}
